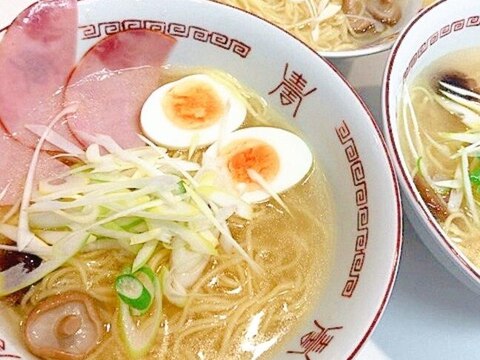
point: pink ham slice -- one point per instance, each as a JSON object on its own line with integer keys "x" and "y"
{"x": 14, "y": 167}
{"x": 112, "y": 82}
{"x": 37, "y": 55}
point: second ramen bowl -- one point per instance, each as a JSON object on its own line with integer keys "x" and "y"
{"x": 444, "y": 28}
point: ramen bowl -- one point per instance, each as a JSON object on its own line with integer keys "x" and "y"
{"x": 311, "y": 96}
{"x": 338, "y": 29}
{"x": 444, "y": 29}
{"x": 374, "y": 44}
{"x": 384, "y": 41}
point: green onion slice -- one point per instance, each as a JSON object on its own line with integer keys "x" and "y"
{"x": 146, "y": 275}
{"x": 475, "y": 176}
{"x": 137, "y": 290}
{"x": 133, "y": 293}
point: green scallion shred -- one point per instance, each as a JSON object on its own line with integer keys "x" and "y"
{"x": 137, "y": 289}
{"x": 475, "y": 177}
{"x": 133, "y": 292}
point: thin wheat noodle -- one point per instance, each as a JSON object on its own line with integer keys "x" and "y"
{"x": 335, "y": 33}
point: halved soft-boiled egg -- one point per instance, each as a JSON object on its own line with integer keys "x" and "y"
{"x": 263, "y": 160}
{"x": 193, "y": 111}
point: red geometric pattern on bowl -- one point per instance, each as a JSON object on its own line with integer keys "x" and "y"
{"x": 315, "y": 341}
{"x": 446, "y": 30}
{"x": 93, "y": 31}
{"x": 3, "y": 350}
{"x": 361, "y": 200}
{"x": 292, "y": 89}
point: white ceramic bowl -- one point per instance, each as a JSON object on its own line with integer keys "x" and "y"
{"x": 339, "y": 128}
{"x": 409, "y": 9}
{"x": 383, "y": 43}
{"x": 443, "y": 28}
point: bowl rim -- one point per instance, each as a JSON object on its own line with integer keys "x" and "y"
{"x": 355, "y": 53}
{"x": 410, "y": 190}
{"x": 398, "y": 202}
{"x": 341, "y": 54}
{"x": 396, "y": 211}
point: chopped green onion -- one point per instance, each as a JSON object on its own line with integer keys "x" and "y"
{"x": 146, "y": 275}
{"x": 139, "y": 333}
{"x": 132, "y": 292}
{"x": 181, "y": 188}
{"x": 128, "y": 222}
{"x": 137, "y": 289}
{"x": 475, "y": 176}
{"x": 144, "y": 254}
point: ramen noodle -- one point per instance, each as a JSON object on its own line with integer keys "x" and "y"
{"x": 329, "y": 25}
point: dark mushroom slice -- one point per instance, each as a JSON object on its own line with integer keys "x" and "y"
{"x": 457, "y": 79}
{"x": 12, "y": 258}
{"x": 459, "y": 94}
{"x": 435, "y": 203}
{"x": 357, "y": 21}
{"x": 63, "y": 327}
{"x": 454, "y": 82}
{"x": 385, "y": 11}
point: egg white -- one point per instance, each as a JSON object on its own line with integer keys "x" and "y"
{"x": 295, "y": 157}
{"x": 160, "y": 129}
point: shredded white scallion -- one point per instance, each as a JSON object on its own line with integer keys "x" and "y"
{"x": 467, "y": 150}
{"x": 450, "y": 184}
{"x": 456, "y": 195}
{"x": 113, "y": 148}
{"x": 120, "y": 214}
{"x": 168, "y": 160}
{"x": 459, "y": 90}
{"x": 56, "y": 139}
{"x": 11, "y": 212}
{"x": 467, "y": 186}
{"x": 208, "y": 213}
{"x": 4, "y": 192}
{"x": 255, "y": 176}
{"x": 25, "y": 236}
{"x": 193, "y": 146}
{"x": 407, "y": 104}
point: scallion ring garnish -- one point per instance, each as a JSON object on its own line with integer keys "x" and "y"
{"x": 133, "y": 292}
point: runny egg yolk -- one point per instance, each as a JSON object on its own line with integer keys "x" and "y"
{"x": 253, "y": 154}
{"x": 193, "y": 105}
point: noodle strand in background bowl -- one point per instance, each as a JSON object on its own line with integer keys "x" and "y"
{"x": 336, "y": 28}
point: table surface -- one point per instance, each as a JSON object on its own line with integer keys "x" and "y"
{"x": 430, "y": 315}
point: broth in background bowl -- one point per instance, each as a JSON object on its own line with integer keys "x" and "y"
{"x": 337, "y": 28}
{"x": 430, "y": 110}
{"x": 351, "y": 200}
